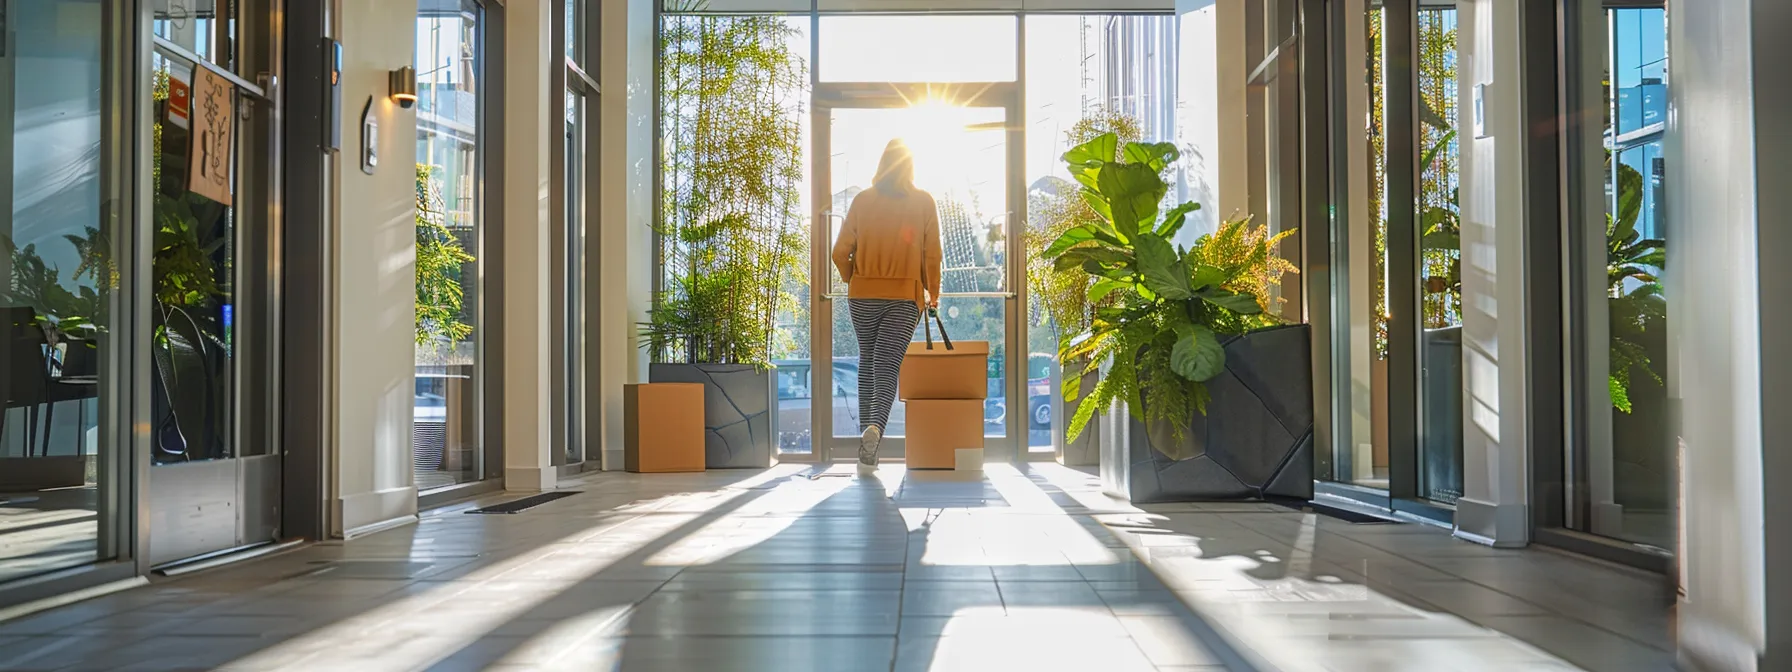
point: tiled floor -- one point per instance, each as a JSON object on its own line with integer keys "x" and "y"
{"x": 1017, "y": 570}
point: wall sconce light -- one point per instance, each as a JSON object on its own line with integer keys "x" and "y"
{"x": 404, "y": 87}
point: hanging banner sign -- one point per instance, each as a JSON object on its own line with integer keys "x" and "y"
{"x": 214, "y": 116}
{"x": 180, "y": 99}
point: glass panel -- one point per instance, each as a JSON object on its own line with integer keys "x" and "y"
{"x": 575, "y": 276}
{"x": 961, "y": 159}
{"x": 450, "y": 70}
{"x": 205, "y": 27}
{"x": 918, "y": 48}
{"x": 61, "y": 281}
{"x": 711, "y": 130}
{"x": 193, "y": 392}
{"x": 1361, "y": 456}
{"x": 1122, "y": 78}
{"x": 1628, "y": 451}
{"x": 574, "y": 32}
{"x": 1440, "y": 266}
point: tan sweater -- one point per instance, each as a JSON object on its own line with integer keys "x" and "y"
{"x": 889, "y": 247}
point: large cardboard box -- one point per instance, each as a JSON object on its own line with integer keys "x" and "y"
{"x": 938, "y": 428}
{"x": 663, "y": 427}
{"x": 959, "y": 373}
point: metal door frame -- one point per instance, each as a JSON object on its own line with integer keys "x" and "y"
{"x": 830, "y": 96}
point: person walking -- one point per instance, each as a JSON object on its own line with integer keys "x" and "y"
{"x": 888, "y": 252}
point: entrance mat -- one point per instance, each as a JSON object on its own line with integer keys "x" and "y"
{"x": 1346, "y": 515}
{"x": 525, "y": 503}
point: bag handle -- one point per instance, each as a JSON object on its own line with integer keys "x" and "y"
{"x": 927, "y": 328}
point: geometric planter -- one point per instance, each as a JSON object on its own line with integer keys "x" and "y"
{"x": 740, "y": 411}
{"x": 1440, "y": 440}
{"x": 1254, "y": 442}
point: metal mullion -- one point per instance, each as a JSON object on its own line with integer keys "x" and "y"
{"x": 1315, "y": 262}
{"x": 1400, "y": 115}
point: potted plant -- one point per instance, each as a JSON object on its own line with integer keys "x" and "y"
{"x": 730, "y": 222}
{"x": 1637, "y": 314}
{"x": 1178, "y": 333}
{"x": 1056, "y": 206}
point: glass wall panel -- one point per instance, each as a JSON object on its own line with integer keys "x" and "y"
{"x": 62, "y": 283}
{"x": 450, "y": 75}
{"x": 1086, "y": 75}
{"x": 918, "y": 48}
{"x": 1440, "y": 263}
{"x": 193, "y": 356}
{"x": 1623, "y": 461}
{"x": 204, "y": 28}
{"x": 573, "y": 340}
{"x": 734, "y": 101}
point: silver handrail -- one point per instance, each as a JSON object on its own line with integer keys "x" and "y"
{"x": 175, "y": 51}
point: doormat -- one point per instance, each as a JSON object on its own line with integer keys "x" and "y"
{"x": 1346, "y": 515}
{"x": 525, "y": 503}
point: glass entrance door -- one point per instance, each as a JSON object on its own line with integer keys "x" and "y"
{"x": 964, "y": 158}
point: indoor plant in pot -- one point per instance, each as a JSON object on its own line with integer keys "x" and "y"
{"x": 1218, "y": 389}
{"x": 1063, "y": 307}
{"x": 730, "y": 225}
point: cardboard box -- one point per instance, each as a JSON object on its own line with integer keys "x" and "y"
{"x": 663, "y": 427}
{"x": 959, "y": 373}
{"x": 938, "y": 428}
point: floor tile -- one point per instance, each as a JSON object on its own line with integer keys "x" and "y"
{"x": 1020, "y": 568}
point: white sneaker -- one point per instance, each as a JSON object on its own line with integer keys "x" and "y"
{"x": 868, "y": 448}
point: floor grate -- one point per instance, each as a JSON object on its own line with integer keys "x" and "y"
{"x": 525, "y": 503}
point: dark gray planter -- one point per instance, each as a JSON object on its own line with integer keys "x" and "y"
{"x": 1085, "y": 451}
{"x": 740, "y": 414}
{"x": 1441, "y": 441}
{"x": 1254, "y": 442}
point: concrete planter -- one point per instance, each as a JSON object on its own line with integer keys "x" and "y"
{"x": 740, "y": 411}
{"x": 1254, "y": 442}
{"x": 1442, "y": 434}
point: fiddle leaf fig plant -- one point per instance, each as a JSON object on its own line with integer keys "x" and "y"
{"x": 1160, "y": 309}
{"x": 1633, "y": 287}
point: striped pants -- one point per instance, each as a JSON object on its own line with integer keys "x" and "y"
{"x": 885, "y": 327}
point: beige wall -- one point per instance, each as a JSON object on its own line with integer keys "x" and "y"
{"x": 374, "y": 276}
{"x": 625, "y": 209}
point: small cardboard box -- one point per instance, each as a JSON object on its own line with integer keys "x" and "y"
{"x": 663, "y": 427}
{"x": 939, "y": 428}
{"x": 959, "y": 373}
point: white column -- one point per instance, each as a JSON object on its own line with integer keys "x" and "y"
{"x": 1211, "y": 97}
{"x": 530, "y": 68}
{"x": 1494, "y": 507}
{"x": 626, "y": 109}
{"x": 375, "y": 278}
{"x": 1726, "y": 161}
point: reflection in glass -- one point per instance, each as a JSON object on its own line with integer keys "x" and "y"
{"x": 574, "y": 337}
{"x": 61, "y": 280}
{"x": 1440, "y": 264}
{"x": 450, "y": 67}
{"x": 206, "y": 28}
{"x": 1121, "y": 79}
{"x": 1628, "y": 449}
{"x": 193, "y": 363}
{"x": 1361, "y": 456}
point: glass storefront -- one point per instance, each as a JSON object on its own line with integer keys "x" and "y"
{"x": 1622, "y": 457}
{"x": 60, "y": 451}
{"x": 1118, "y": 74}
{"x": 1397, "y": 374}
{"x": 450, "y": 64}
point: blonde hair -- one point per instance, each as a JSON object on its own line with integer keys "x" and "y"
{"x": 896, "y": 170}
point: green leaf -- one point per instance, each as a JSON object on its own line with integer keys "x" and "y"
{"x": 1102, "y": 288}
{"x": 1098, "y": 203}
{"x": 1157, "y": 155}
{"x": 1431, "y": 154}
{"x": 1132, "y": 192}
{"x": 1197, "y": 355}
{"x": 1099, "y": 149}
{"x": 1243, "y": 304}
{"x": 1175, "y": 218}
{"x": 1442, "y": 240}
{"x": 1162, "y": 268}
{"x": 1206, "y": 276}
{"x": 1075, "y": 236}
